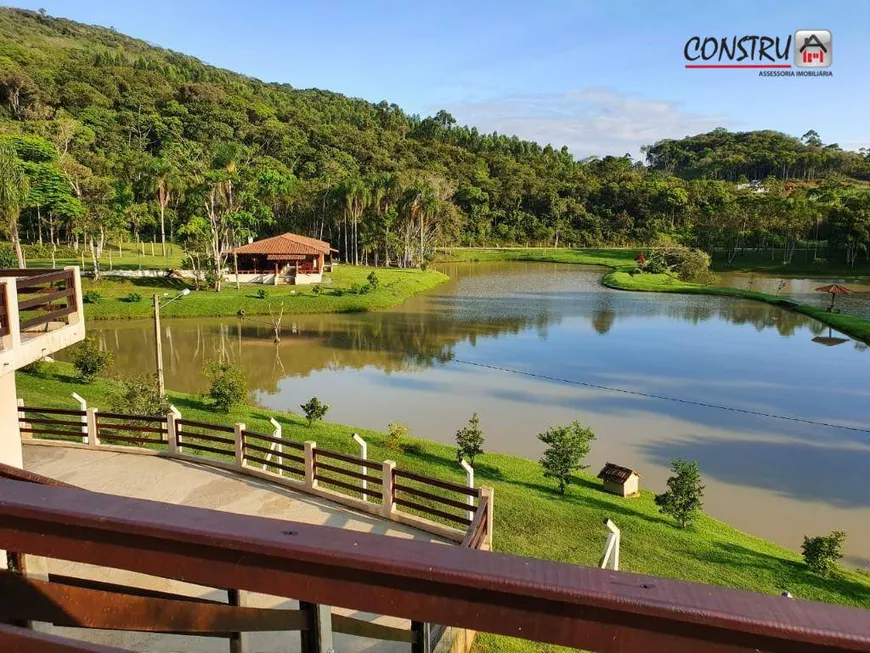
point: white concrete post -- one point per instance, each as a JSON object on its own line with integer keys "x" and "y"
{"x": 171, "y": 446}
{"x": 611, "y": 547}
{"x": 84, "y": 406}
{"x": 489, "y": 493}
{"x": 13, "y": 338}
{"x": 387, "y": 505}
{"x": 310, "y": 446}
{"x": 21, "y": 416}
{"x": 276, "y": 433}
{"x": 79, "y": 316}
{"x": 176, "y": 441}
{"x": 469, "y": 481}
{"x": 363, "y": 453}
{"x": 93, "y": 433}
{"x": 240, "y": 444}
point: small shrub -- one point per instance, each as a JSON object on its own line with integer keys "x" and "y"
{"x": 261, "y": 293}
{"x": 567, "y": 446}
{"x": 89, "y": 360}
{"x": 133, "y": 298}
{"x": 92, "y": 297}
{"x": 140, "y": 395}
{"x": 822, "y": 552}
{"x": 314, "y": 410}
{"x": 373, "y": 280}
{"x": 360, "y": 288}
{"x": 469, "y": 440}
{"x": 397, "y": 434}
{"x": 316, "y": 290}
{"x": 8, "y": 260}
{"x": 683, "y": 497}
{"x": 229, "y": 387}
{"x": 212, "y": 279}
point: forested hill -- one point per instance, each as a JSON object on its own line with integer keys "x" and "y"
{"x": 721, "y": 154}
{"x": 118, "y": 137}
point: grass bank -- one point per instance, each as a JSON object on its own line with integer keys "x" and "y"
{"x": 532, "y": 519}
{"x": 622, "y": 262}
{"x": 395, "y": 286}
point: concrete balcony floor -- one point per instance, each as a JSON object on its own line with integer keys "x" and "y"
{"x": 182, "y": 483}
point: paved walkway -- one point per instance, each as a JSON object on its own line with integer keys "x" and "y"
{"x": 179, "y": 482}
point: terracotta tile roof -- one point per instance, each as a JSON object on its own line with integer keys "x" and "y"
{"x": 287, "y": 244}
{"x": 615, "y": 474}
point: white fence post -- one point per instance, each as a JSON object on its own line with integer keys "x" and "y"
{"x": 611, "y": 547}
{"x": 276, "y": 433}
{"x": 21, "y": 418}
{"x": 310, "y": 481}
{"x": 93, "y": 433}
{"x": 240, "y": 444}
{"x": 489, "y": 493}
{"x": 363, "y": 453}
{"x": 84, "y": 419}
{"x": 174, "y": 434}
{"x": 387, "y": 505}
{"x": 469, "y": 481}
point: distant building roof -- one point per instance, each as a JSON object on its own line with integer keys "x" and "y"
{"x": 615, "y": 474}
{"x": 286, "y": 244}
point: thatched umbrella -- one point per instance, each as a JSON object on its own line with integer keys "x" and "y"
{"x": 830, "y": 340}
{"x": 834, "y": 289}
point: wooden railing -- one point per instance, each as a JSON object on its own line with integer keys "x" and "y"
{"x": 87, "y": 603}
{"x": 432, "y": 504}
{"x": 45, "y": 297}
{"x": 593, "y": 609}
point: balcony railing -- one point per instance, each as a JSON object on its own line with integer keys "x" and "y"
{"x": 35, "y": 302}
{"x": 593, "y": 609}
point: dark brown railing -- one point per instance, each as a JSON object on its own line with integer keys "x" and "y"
{"x": 444, "y": 506}
{"x": 331, "y": 464}
{"x": 44, "y": 297}
{"x": 593, "y": 609}
{"x": 52, "y": 423}
{"x": 255, "y": 452}
{"x": 435, "y": 499}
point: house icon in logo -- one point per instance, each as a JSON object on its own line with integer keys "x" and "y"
{"x": 813, "y": 48}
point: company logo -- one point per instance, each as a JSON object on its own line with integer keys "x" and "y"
{"x": 813, "y": 48}
{"x": 773, "y": 56}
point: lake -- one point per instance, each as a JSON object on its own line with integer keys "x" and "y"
{"x": 568, "y": 348}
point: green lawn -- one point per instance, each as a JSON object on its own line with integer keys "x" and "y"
{"x": 531, "y": 519}
{"x": 622, "y": 262}
{"x": 129, "y": 258}
{"x": 336, "y": 297}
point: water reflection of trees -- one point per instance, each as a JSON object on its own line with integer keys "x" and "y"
{"x": 390, "y": 342}
{"x": 424, "y": 334}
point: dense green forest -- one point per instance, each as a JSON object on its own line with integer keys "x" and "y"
{"x": 105, "y": 138}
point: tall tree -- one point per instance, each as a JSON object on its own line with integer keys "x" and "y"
{"x": 14, "y": 188}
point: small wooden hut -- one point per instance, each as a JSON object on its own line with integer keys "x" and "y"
{"x": 288, "y": 258}
{"x": 620, "y": 480}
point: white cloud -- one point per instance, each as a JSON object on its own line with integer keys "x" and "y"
{"x": 592, "y": 121}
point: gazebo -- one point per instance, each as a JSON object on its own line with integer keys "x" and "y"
{"x": 290, "y": 258}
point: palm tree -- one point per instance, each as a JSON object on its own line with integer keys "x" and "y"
{"x": 14, "y": 189}
{"x": 356, "y": 196}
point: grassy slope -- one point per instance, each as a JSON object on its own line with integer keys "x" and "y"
{"x": 531, "y": 518}
{"x": 395, "y": 287}
{"x": 622, "y": 261}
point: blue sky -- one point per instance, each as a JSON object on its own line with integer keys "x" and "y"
{"x": 602, "y": 77}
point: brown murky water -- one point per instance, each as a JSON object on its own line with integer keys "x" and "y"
{"x": 415, "y": 364}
